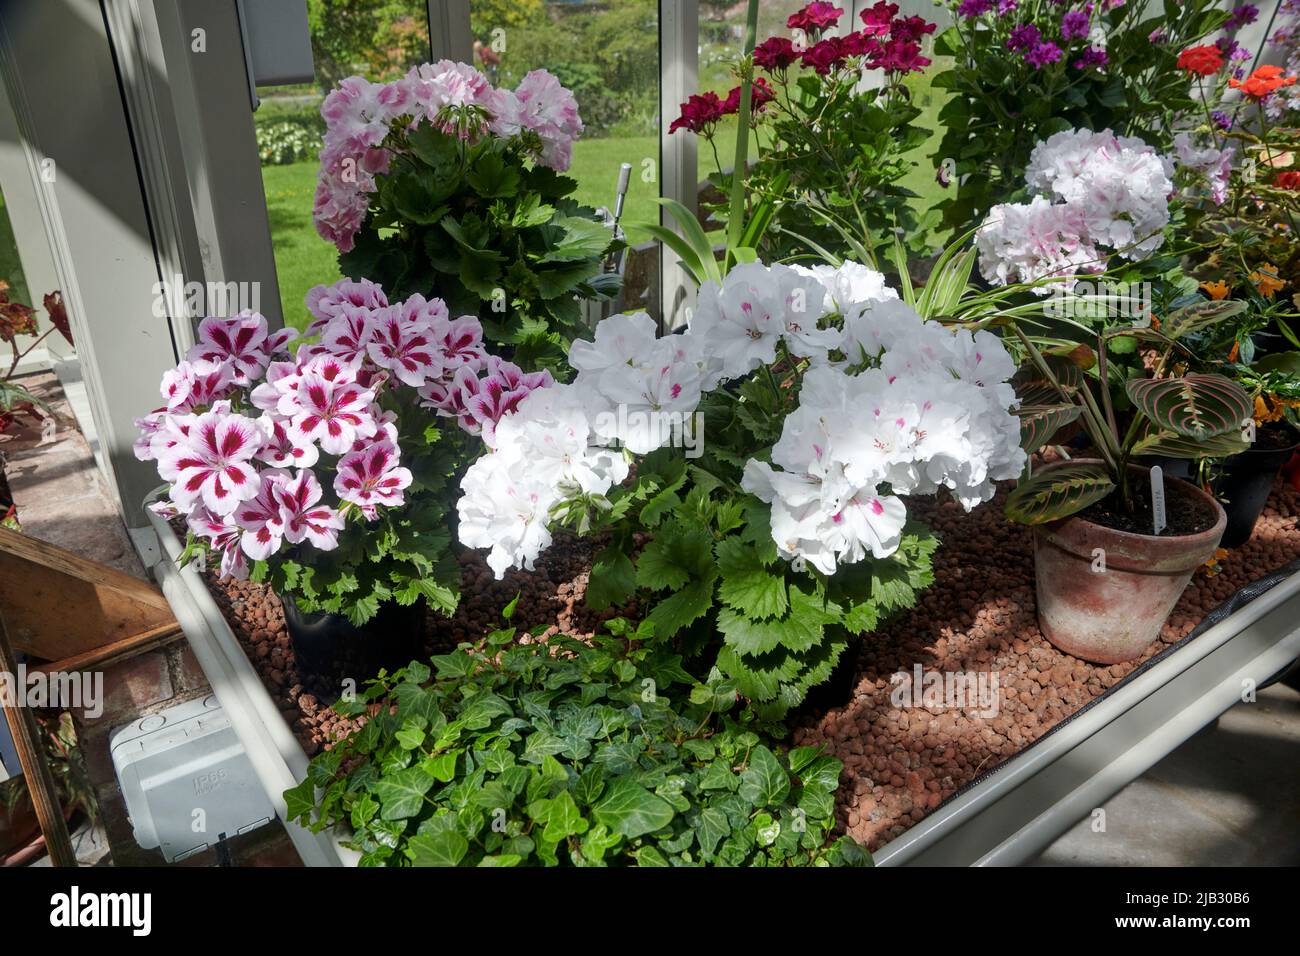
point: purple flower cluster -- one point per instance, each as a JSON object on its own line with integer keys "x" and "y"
{"x": 1028, "y": 39}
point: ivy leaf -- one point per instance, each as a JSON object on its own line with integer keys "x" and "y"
{"x": 564, "y": 819}
{"x": 402, "y": 793}
{"x": 446, "y": 848}
{"x": 713, "y": 828}
{"x": 631, "y": 810}
{"x": 764, "y": 782}
{"x": 300, "y": 801}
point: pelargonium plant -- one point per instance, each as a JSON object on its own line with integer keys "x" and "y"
{"x": 326, "y": 471}
{"x": 824, "y": 134}
{"x": 1096, "y": 192}
{"x": 1023, "y": 71}
{"x": 771, "y": 443}
{"x": 440, "y": 184}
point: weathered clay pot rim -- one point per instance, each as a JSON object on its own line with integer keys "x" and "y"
{"x": 1063, "y": 532}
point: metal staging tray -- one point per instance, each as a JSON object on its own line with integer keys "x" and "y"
{"x": 1005, "y": 817}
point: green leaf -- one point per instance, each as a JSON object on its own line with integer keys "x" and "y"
{"x": 1199, "y": 316}
{"x": 713, "y": 828}
{"x": 1172, "y": 445}
{"x": 300, "y": 801}
{"x": 564, "y": 819}
{"x": 582, "y": 239}
{"x": 1194, "y": 406}
{"x": 402, "y": 793}
{"x": 446, "y": 848}
{"x": 612, "y": 580}
{"x": 1038, "y": 423}
{"x": 683, "y": 607}
{"x": 764, "y": 782}
{"x": 1058, "y": 492}
{"x": 492, "y": 178}
{"x": 747, "y": 585}
{"x": 631, "y": 810}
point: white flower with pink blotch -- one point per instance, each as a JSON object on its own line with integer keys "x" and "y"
{"x": 403, "y": 343}
{"x": 371, "y": 477}
{"x": 212, "y": 462}
{"x": 223, "y": 536}
{"x": 260, "y": 519}
{"x": 327, "y": 405}
{"x": 497, "y": 393}
{"x": 241, "y": 341}
{"x": 302, "y": 515}
{"x": 195, "y": 385}
{"x": 324, "y": 302}
{"x": 347, "y": 335}
{"x": 280, "y": 451}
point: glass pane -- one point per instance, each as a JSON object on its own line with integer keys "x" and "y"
{"x": 608, "y": 55}
{"x": 378, "y": 39}
{"x": 11, "y": 267}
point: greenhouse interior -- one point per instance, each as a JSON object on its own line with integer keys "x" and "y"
{"x": 590, "y": 433}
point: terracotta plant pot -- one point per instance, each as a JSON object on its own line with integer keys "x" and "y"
{"x": 1111, "y": 616}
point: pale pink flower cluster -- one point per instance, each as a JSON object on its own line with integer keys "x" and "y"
{"x": 359, "y": 116}
{"x": 1100, "y": 192}
{"x": 1212, "y": 164}
{"x": 249, "y": 438}
{"x": 890, "y": 405}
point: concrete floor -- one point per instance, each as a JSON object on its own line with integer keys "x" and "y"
{"x": 1230, "y": 796}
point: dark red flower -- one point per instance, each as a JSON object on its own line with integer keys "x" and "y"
{"x": 775, "y": 53}
{"x": 859, "y": 44}
{"x": 815, "y": 17}
{"x": 879, "y": 18}
{"x": 699, "y": 114}
{"x": 761, "y": 93}
{"x": 825, "y": 55}
{"x": 900, "y": 56}
{"x": 1287, "y": 180}
{"x": 910, "y": 28}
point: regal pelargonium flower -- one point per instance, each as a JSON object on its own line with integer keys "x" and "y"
{"x": 279, "y": 451}
{"x": 1023, "y": 37}
{"x": 211, "y": 462}
{"x": 970, "y": 9}
{"x": 326, "y": 404}
{"x": 347, "y": 336}
{"x": 223, "y": 536}
{"x": 302, "y": 515}
{"x": 761, "y": 93}
{"x": 878, "y": 18}
{"x": 324, "y": 302}
{"x": 497, "y": 393}
{"x": 372, "y": 477}
{"x": 260, "y": 517}
{"x": 849, "y": 283}
{"x": 461, "y": 343}
{"x": 404, "y": 346}
{"x": 241, "y": 341}
{"x": 196, "y": 385}
{"x": 1043, "y": 54}
{"x": 551, "y": 111}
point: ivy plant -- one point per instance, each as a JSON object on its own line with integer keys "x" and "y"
{"x": 568, "y": 753}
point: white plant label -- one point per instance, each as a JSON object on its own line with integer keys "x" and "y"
{"x": 1158, "y": 498}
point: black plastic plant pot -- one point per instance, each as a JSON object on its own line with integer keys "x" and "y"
{"x": 330, "y": 650}
{"x": 1247, "y": 480}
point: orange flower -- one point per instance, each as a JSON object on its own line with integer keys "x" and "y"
{"x": 1216, "y": 290}
{"x": 1266, "y": 280}
{"x": 1262, "y": 82}
{"x": 1236, "y": 351}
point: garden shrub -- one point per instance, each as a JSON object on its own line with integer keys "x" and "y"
{"x": 565, "y": 753}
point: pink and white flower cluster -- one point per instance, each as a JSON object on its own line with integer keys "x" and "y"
{"x": 890, "y": 405}
{"x": 1100, "y": 192}
{"x": 454, "y": 97}
{"x": 249, "y": 438}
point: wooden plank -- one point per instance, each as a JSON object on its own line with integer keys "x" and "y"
{"x": 59, "y": 605}
{"x": 27, "y": 736}
{"x": 112, "y": 653}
